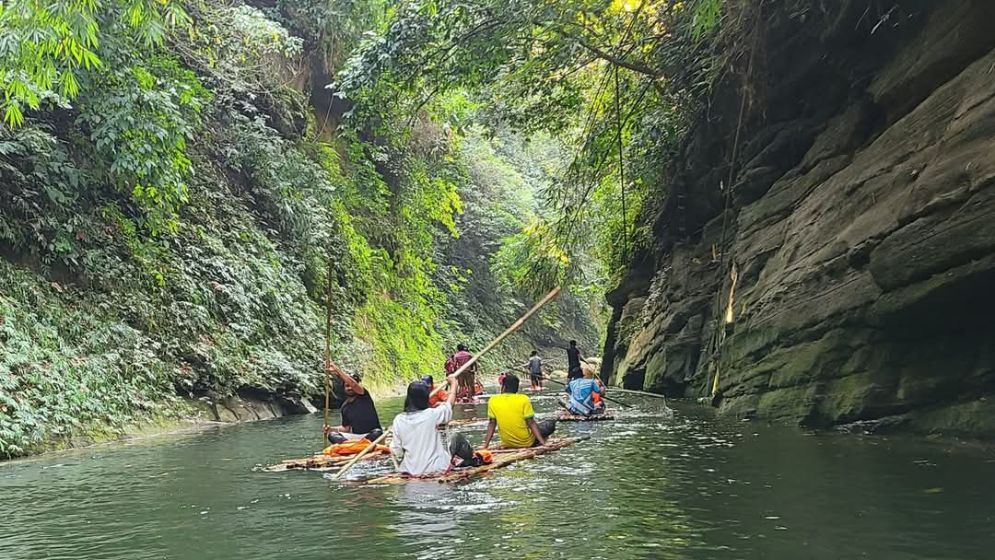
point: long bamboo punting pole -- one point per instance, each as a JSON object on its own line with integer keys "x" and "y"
{"x": 328, "y": 348}
{"x": 514, "y": 327}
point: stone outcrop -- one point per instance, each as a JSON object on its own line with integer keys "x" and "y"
{"x": 857, "y": 244}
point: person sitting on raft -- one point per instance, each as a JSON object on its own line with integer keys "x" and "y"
{"x": 580, "y": 393}
{"x": 511, "y": 413}
{"x": 416, "y": 440}
{"x": 435, "y": 396}
{"x": 359, "y": 414}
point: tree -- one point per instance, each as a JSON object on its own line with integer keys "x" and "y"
{"x": 44, "y": 46}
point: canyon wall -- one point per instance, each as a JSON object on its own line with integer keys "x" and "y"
{"x": 847, "y": 277}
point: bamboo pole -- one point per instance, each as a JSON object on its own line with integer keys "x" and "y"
{"x": 328, "y": 348}
{"x": 361, "y": 454}
{"x": 514, "y": 327}
{"x": 644, "y": 393}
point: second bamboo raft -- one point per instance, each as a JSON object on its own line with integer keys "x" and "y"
{"x": 563, "y": 416}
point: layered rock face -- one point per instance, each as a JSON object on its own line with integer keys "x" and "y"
{"x": 848, "y": 277}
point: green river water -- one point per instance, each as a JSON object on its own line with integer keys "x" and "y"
{"x": 644, "y": 486}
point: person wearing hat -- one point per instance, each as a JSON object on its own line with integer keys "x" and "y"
{"x": 417, "y": 441}
{"x": 359, "y": 414}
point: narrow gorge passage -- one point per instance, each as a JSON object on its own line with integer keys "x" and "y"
{"x": 613, "y": 279}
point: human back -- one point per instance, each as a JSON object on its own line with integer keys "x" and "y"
{"x": 581, "y": 393}
{"x": 416, "y": 435}
{"x": 416, "y": 439}
{"x": 512, "y": 411}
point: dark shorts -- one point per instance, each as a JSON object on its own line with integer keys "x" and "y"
{"x": 536, "y": 377}
{"x": 546, "y": 428}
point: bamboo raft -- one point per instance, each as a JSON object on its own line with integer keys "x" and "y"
{"x": 459, "y": 422}
{"x": 568, "y": 417}
{"x": 320, "y": 462}
{"x": 502, "y": 458}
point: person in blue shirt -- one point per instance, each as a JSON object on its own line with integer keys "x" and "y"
{"x": 579, "y": 398}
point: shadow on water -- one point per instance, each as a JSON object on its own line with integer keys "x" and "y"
{"x": 644, "y": 486}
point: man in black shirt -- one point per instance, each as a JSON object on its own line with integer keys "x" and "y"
{"x": 573, "y": 362}
{"x": 359, "y": 414}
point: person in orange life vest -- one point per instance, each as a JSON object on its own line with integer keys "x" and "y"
{"x": 435, "y": 396}
{"x": 359, "y": 414}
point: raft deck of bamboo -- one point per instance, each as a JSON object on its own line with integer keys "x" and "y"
{"x": 502, "y": 458}
{"x": 567, "y": 417}
{"x": 320, "y": 462}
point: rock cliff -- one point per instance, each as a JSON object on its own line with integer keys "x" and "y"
{"x": 847, "y": 276}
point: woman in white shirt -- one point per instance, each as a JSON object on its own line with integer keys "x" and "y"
{"x": 417, "y": 441}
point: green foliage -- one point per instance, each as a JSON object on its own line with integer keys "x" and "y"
{"x": 41, "y": 186}
{"x": 67, "y": 366}
{"x": 596, "y": 73}
{"x": 173, "y": 229}
{"x": 44, "y": 46}
{"x": 140, "y": 119}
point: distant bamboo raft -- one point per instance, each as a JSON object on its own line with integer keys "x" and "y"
{"x": 502, "y": 458}
{"x": 567, "y": 417}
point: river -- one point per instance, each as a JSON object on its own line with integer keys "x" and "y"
{"x": 643, "y": 486}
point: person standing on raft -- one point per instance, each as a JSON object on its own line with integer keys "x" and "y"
{"x": 534, "y": 366}
{"x": 465, "y": 382}
{"x": 580, "y": 394}
{"x": 573, "y": 362}
{"x": 512, "y": 414}
{"x": 359, "y": 414}
{"x": 417, "y": 442}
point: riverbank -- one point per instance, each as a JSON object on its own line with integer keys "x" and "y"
{"x": 181, "y": 415}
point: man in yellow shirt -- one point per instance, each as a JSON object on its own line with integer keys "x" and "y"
{"x": 511, "y": 413}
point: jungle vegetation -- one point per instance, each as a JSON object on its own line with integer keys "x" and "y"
{"x": 183, "y": 180}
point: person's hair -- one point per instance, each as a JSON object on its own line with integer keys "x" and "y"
{"x": 573, "y": 343}
{"x": 535, "y": 352}
{"x": 428, "y": 380}
{"x": 510, "y": 384}
{"x": 461, "y": 347}
{"x": 417, "y": 398}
